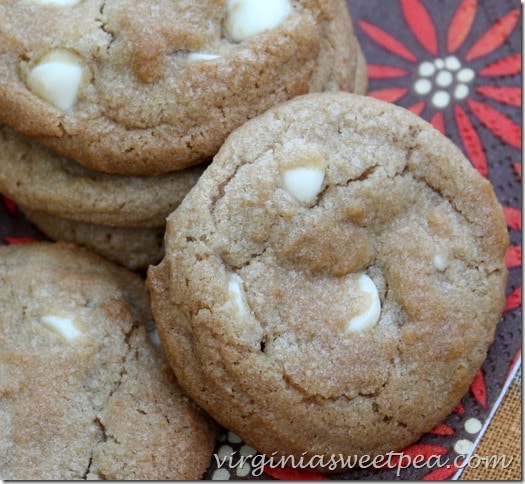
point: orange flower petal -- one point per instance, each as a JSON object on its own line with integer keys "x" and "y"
{"x": 459, "y": 409}
{"x": 442, "y": 429}
{"x": 513, "y": 300}
{"x": 421, "y": 24}
{"x": 507, "y": 66}
{"x": 505, "y": 94}
{"x": 384, "y": 39}
{"x": 513, "y": 216}
{"x": 478, "y": 389}
{"x": 438, "y": 121}
{"x": 499, "y": 124}
{"x": 409, "y": 454}
{"x": 390, "y": 95}
{"x": 385, "y": 72}
{"x": 461, "y": 24}
{"x": 441, "y": 474}
{"x": 515, "y": 361}
{"x": 418, "y": 108}
{"x": 513, "y": 256}
{"x": 495, "y": 36}
{"x": 10, "y": 205}
{"x": 471, "y": 142}
{"x": 20, "y": 240}
{"x": 290, "y": 474}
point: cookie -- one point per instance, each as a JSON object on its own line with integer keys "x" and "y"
{"x": 155, "y": 86}
{"x": 333, "y": 281}
{"x": 134, "y": 248}
{"x": 38, "y": 179}
{"x": 84, "y": 394}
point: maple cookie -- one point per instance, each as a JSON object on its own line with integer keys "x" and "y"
{"x": 84, "y": 394}
{"x": 333, "y": 280}
{"x": 134, "y": 248}
{"x": 142, "y": 88}
{"x": 120, "y": 217}
{"x": 39, "y": 179}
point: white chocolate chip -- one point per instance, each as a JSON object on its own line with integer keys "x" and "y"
{"x": 439, "y": 262}
{"x": 154, "y": 337}
{"x": 302, "y": 167}
{"x": 304, "y": 183}
{"x": 65, "y": 327}
{"x": 57, "y": 78}
{"x": 370, "y": 316}
{"x": 247, "y": 18}
{"x": 196, "y": 56}
{"x": 235, "y": 288}
{"x": 60, "y": 3}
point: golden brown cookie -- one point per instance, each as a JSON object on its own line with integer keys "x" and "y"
{"x": 142, "y": 88}
{"x": 134, "y": 248}
{"x": 38, "y": 179}
{"x": 84, "y": 394}
{"x": 312, "y": 269}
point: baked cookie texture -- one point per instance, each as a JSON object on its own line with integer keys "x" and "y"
{"x": 142, "y": 88}
{"x": 333, "y": 281}
{"x": 133, "y": 248}
{"x": 84, "y": 394}
{"x": 120, "y": 217}
{"x": 39, "y": 179}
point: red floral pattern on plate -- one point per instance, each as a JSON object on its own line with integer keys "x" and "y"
{"x": 402, "y": 41}
{"x": 484, "y": 102}
{"x": 421, "y": 24}
{"x": 464, "y": 115}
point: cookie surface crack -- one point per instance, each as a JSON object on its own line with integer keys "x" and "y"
{"x": 99, "y": 419}
{"x": 103, "y": 26}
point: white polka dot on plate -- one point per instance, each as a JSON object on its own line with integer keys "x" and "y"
{"x": 473, "y": 425}
{"x": 233, "y": 438}
{"x": 221, "y": 475}
{"x": 441, "y": 99}
{"x": 463, "y": 446}
{"x": 246, "y": 450}
{"x": 225, "y": 451}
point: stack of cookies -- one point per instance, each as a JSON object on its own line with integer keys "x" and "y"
{"x": 112, "y": 109}
{"x": 120, "y": 217}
